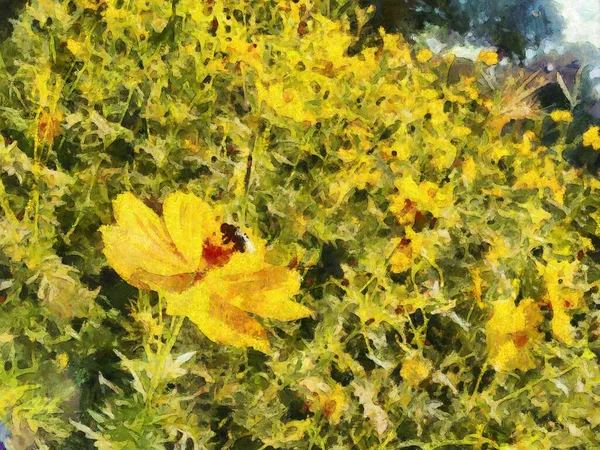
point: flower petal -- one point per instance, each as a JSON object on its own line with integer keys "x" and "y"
{"x": 131, "y": 255}
{"x": 507, "y": 357}
{"x": 252, "y": 285}
{"x": 512, "y": 335}
{"x": 171, "y": 283}
{"x": 561, "y": 326}
{"x": 220, "y": 322}
{"x": 190, "y": 221}
{"x": 139, "y": 220}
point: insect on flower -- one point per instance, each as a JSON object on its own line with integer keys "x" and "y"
{"x": 241, "y": 241}
{"x": 207, "y": 270}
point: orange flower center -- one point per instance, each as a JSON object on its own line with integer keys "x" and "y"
{"x": 232, "y": 240}
{"x": 216, "y": 255}
{"x": 520, "y": 339}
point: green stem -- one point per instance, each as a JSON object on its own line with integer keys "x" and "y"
{"x": 477, "y": 384}
{"x": 529, "y": 386}
{"x": 86, "y": 203}
{"x": 163, "y": 352}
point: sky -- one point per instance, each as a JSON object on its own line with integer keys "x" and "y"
{"x": 582, "y": 20}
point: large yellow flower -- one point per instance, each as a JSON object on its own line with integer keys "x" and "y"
{"x": 204, "y": 268}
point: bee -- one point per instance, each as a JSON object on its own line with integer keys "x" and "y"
{"x": 241, "y": 242}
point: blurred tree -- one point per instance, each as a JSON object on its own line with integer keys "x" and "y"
{"x": 511, "y": 25}
{"x": 8, "y": 10}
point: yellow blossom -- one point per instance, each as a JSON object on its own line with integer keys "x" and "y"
{"x": 591, "y": 138}
{"x": 541, "y": 178}
{"x": 424, "y": 55}
{"x": 287, "y": 102}
{"x": 561, "y": 295}
{"x": 48, "y": 126}
{"x": 511, "y": 335}
{"x": 401, "y": 261}
{"x": 561, "y": 116}
{"x": 526, "y": 146}
{"x": 330, "y": 401}
{"x": 62, "y": 360}
{"x": 488, "y": 57}
{"x": 407, "y": 249}
{"x": 205, "y": 269}
{"x": 426, "y": 196}
{"x": 469, "y": 169}
{"x": 429, "y": 94}
{"x": 500, "y": 248}
{"x": 333, "y": 404}
{"x": 77, "y": 48}
{"x": 461, "y": 131}
{"x": 415, "y": 370}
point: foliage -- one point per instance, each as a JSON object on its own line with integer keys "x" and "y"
{"x": 445, "y": 246}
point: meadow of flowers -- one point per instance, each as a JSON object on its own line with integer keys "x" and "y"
{"x": 250, "y": 225}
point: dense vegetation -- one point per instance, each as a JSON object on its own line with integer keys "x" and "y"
{"x": 446, "y": 249}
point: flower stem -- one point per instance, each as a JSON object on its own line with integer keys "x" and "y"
{"x": 163, "y": 352}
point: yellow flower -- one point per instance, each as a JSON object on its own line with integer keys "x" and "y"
{"x": 500, "y": 248}
{"x": 542, "y": 177}
{"x": 205, "y": 269}
{"x": 286, "y": 102}
{"x": 561, "y": 116}
{"x": 489, "y": 58}
{"x": 591, "y": 138}
{"x": 426, "y": 196}
{"x": 562, "y": 296}
{"x": 401, "y": 260}
{"x": 77, "y": 48}
{"x": 333, "y": 404}
{"x": 461, "y": 131}
{"x": 526, "y": 146}
{"x": 48, "y": 126}
{"x": 415, "y": 370}
{"x": 469, "y": 169}
{"x": 330, "y": 401}
{"x": 62, "y": 360}
{"x": 424, "y": 55}
{"x": 511, "y": 334}
{"x": 407, "y": 249}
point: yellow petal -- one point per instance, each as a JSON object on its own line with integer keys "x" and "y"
{"x": 131, "y": 255}
{"x": 415, "y": 370}
{"x": 561, "y": 326}
{"x": 512, "y": 335}
{"x": 220, "y": 322}
{"x": 172, "y": 283}
{"x": 134, "y": 216}
{"x": 400, "y": 261}
{"x": 259, "y": 288}
{"x": 508, "y": 357}
{"x": 269, "y": 300}
{"x": 190, "y": 221}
